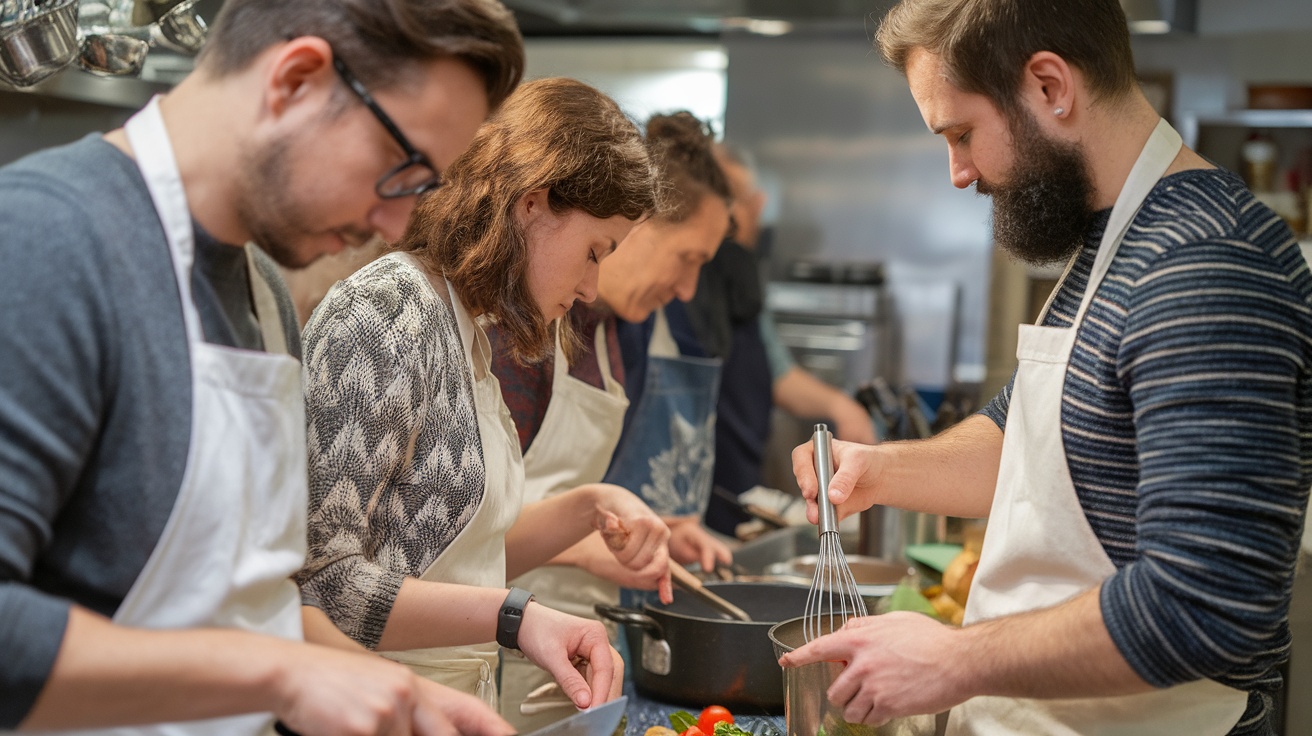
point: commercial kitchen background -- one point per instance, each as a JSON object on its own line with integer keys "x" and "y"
{"x": 857, "y": 188}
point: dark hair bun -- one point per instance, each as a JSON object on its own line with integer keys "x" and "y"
{"x": 681, "y": 146}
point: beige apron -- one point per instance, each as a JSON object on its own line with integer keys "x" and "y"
{"x": 237, "y": 530}
{"x": 1040, "y": 550}
{"x": 477, "y": 556}
{"x": 573, "y": 446}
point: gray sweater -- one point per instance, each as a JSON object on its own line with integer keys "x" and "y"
{"x": 95, "y": 394}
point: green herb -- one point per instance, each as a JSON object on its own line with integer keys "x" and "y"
{"x": 724, "y": 728}
{"x": 682, "y": 720}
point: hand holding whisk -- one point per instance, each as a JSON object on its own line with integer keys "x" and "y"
{"x": 834, "y": 597}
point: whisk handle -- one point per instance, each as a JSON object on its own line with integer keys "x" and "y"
{"x": 824, "y": 472}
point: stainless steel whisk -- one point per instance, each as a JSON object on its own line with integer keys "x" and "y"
{"x": 834, "y": 597}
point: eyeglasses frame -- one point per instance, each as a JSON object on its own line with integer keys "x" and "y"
{"x": 414, "y": 157}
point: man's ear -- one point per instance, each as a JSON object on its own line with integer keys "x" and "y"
{"x": 1048, "y": 86}
{"x": 301, "y": 70}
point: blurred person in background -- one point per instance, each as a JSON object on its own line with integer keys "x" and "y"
{"x": 730, "y": 320}
{"x": 152, "y": 436}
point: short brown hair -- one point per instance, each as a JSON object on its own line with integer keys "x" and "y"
{"x": 682, "y": 148}
{"x": 984, "y": 44}
{"x": 555, "y": 134}
{"x": 379, "y": 39}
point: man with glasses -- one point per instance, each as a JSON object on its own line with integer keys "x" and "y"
{"x": 152, "y": 449}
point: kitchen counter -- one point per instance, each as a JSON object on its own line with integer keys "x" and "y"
{"x": 643, "y": 713}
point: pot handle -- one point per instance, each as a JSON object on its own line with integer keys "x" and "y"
{"x": 631, "y": 617}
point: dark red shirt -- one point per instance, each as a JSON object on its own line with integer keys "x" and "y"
{"x": 527, "y": 388}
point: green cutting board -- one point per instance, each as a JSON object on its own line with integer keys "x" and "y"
{"x": 934, "y": 556}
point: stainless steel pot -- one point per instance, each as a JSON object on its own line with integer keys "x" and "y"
{"x": 112, "y": 55}
{"x": 689, "y": 654}
{"x": 875, "y": 577}
{"x": 807, "y": 708}
{"x": 40, "y": 44}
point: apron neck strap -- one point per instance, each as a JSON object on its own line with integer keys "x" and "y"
{"x": 266, "y": 307}
{"x": 662, "y": 344}
{"x": 153, "y": 152}
{"x": 1154, "y": 159}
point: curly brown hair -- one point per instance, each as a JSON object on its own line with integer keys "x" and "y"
{"x": 555, "y": 134}
{"x": 682, "y": 148}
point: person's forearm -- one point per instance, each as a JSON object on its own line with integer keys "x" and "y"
{"x": 428, "y": 614}
{"x": 319, "y": 629}
{"x": 110, "y": 675}
{"x": 1059, "y": 652}
{"x": 548, "y": 527}
{"x": 953, "y": 473}
{"x": 581, "y": 553}
{"x": 803, "y": 395}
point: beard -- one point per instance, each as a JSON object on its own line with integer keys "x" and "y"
{"x": 1042, "y": 213}
{"x": 276, "y": 220}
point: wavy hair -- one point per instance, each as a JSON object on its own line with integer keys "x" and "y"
{"x": 555, "y": 134}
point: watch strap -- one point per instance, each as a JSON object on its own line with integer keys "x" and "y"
{"x": 511, "y": 616}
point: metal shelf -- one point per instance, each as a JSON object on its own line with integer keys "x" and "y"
{"x": 1191, "y": 122}
{"x": 74, "y": 84}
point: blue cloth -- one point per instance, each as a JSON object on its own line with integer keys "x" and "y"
{"x": 1187, "y": 423}
{"x": 666, "y": 452}
{"x": 95, "y": 400}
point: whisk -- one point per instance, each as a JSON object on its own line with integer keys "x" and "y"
{"x": 834, "y": 597}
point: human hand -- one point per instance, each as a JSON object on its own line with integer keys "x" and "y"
{"x": 690, "y": 543}
{"x": 594, "y": 556}
{"x": 852, "y": 488}
{"x": 557, "y": 641}
{"x": 636, "y": 536}
{"x": 898, "y": 664}
{"x": 468, "y": 716}
{"x": 337, "y": 693}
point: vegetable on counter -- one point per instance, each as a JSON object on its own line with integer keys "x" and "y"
{"x": 714, "y": 720}
{"x": 711, "y": 717}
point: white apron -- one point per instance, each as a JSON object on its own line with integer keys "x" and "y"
{"x": 1040, "y": 550}
{"x": 237, "y": 530}
{"x": 477, "y": 556}
{"x": 573, "y": 446}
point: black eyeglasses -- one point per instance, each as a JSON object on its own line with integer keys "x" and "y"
{"x": 416, "y": 174}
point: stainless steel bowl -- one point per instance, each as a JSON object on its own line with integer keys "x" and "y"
{"x": 183, "y": 28}
{"x": 113, "y": 55}
{"x": 807, "y": 709}
{"x": 875, "y": 577}
{"x": 40, "y": 45}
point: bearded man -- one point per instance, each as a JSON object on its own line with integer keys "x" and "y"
{"x": 1145, "y": 474}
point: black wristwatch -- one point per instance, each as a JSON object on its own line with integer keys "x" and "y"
{"x": 511, "y": 616}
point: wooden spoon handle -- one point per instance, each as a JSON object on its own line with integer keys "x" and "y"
{"x": 689, "y": 582}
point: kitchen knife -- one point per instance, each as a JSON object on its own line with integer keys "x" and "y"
{"x": 599, "y": 721}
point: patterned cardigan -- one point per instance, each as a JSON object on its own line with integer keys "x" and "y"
{"x": 395, "y": 461}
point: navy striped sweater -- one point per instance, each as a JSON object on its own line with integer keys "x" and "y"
{"x": 1187, "y": 422}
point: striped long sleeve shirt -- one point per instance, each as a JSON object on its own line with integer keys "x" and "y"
{"x": 1187, "y": 422}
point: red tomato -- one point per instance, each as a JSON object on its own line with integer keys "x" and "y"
{"x": 693, "y": 731}
{"x": 712, "y": 715}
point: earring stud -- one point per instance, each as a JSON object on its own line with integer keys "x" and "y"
{"x": 1059, "y": 111}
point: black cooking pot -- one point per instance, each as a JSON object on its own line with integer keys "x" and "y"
{"x": 690, "y": 654}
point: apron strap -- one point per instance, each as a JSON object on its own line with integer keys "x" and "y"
{"x": 149, "y": 140}
{"x": 266, "y": 307}
{"x": 662, "y": 344}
